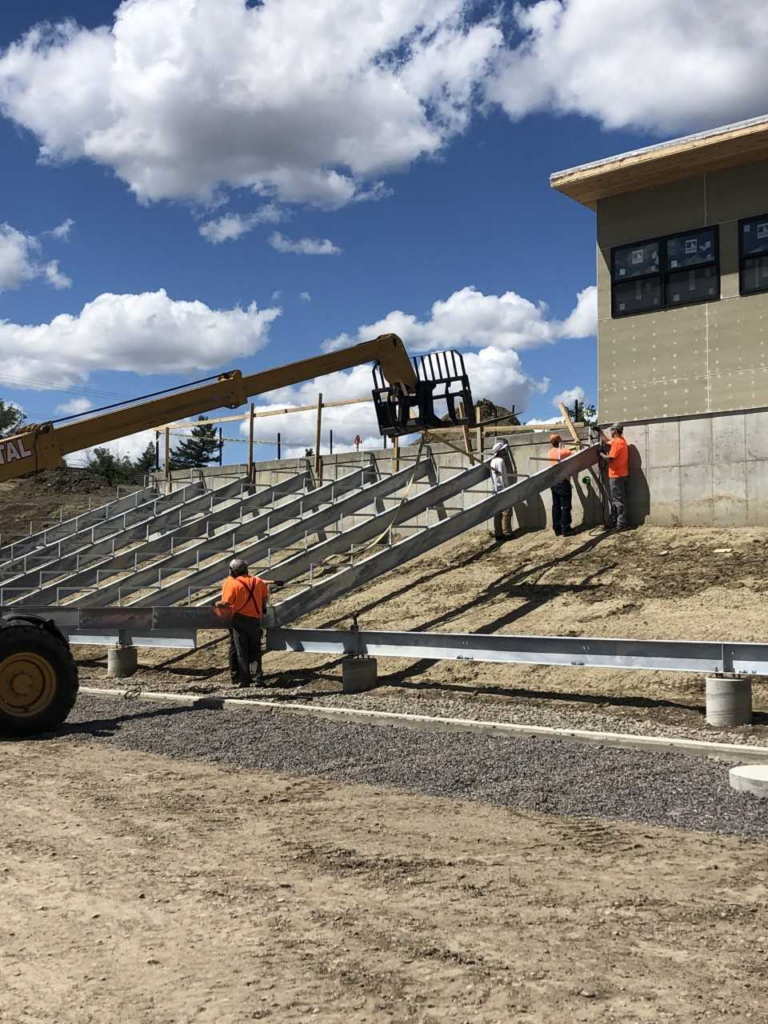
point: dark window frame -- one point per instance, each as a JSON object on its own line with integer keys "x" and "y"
{"x": 664, "y": 272}
{"x": 751, "y": 256}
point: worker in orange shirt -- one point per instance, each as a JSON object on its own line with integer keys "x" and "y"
{"x": 246, "y": 598}
{"x": 562, "y": 494}
{"x": 617, "y": 458}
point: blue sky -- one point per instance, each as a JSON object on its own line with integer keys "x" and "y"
{"x": 475, "y": 212}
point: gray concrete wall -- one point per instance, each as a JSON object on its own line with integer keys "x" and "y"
{"x": 707, "y": 470}
{"x": 529, "y": 456}
{"x": 711, "y": 357}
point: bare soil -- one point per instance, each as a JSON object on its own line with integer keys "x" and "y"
{"x": 649, "y": 583}
{"x": 149, "y": 891}
{"x": 43, "y": 498}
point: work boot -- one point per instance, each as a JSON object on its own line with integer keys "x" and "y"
{"x": 245, "y": 685}
{"x": 569, "y": 532}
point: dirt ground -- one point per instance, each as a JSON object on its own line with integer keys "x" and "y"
{"x": 149, "y": 891}
{"x": 649, "y": 583}
{"x": 43, "y": 498}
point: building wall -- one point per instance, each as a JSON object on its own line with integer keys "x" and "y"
{"x": 707, "y": 470}
{"x": 705, "y": 358}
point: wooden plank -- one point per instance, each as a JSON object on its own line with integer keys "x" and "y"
{"x": 318, "y": 460}
{"x": 269, "y": 412}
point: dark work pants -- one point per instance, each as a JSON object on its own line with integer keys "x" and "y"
{"x": 562, "y": 498}
{"x": 617, "y": 486}
{"x": 244, "y": 648}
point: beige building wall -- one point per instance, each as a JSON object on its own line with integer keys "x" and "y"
{"x": 705, "y": 358}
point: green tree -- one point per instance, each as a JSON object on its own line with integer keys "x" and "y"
{"x": 11, "y": 418}
{"x": 581, "y": 413}
{"x": 115, "y": 469}
{"x": 201, "y": 448}
{"x": 147, "y": 461}
{"x": 308, "y": 453}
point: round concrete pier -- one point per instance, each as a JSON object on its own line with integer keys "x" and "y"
{"x": 358, "y": 675}
{"x": 750, "y": 778}
{"x": 729, "y": 701}
{"x": 122, "y": 662}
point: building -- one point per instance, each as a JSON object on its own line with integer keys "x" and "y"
{"x": 682, "y": 272}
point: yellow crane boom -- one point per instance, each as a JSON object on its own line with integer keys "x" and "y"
{"x": 402, "y": 406}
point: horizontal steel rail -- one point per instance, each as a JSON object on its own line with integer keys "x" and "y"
{"x": 133, "y": 560}
{"x": 324, "y": 513}
{"x": 161, "y": 516}
{"x": 78, "y": 524}
{"x": 703, "y": 657}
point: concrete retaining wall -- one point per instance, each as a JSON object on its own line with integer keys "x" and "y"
{"x": 709, "y": 470}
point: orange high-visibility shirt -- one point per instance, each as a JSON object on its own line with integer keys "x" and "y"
{"x": 245, "y": 595}
{"x": 558, "y": 454}
{"x": 619, "y": 456}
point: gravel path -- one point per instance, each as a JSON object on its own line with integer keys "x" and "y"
{"x": 553, "y": 777}
{"x": 684, "y": 721}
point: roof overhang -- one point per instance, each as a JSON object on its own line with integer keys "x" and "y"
{"x": 668, "y": 161}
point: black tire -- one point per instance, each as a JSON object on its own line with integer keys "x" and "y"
{"x": 38, "y": 680}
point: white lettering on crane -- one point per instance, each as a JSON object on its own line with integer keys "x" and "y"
{"x": 10, "y": 451}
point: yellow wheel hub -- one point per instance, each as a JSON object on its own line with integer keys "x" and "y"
{"x": 27, "y": 685}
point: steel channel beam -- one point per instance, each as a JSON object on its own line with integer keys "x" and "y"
{"x": 148, "y": 522}
{"x": 376, "y": 565}
{"x": 701, "y": 657}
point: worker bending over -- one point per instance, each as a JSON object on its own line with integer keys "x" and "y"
{"x": 562, "y": 493}
{"x": 246, "y": 597}
{"x": 617, "y": 458}
{"x": 502, "y": 521}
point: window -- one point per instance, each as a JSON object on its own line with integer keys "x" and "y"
{"x": 753, "y": 255}
{"x": 663, "y": 273}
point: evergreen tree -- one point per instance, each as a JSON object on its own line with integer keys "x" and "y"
{"x": 115, "y": 469}
{"x": 200, "y": 449}
{"x": 147, "y": 461}
{"x": 11, "y": 418}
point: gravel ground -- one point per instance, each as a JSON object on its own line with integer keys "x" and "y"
{"x": 553, "y": 777}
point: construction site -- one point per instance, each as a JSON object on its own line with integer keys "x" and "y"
{"x": 483, "y": 776}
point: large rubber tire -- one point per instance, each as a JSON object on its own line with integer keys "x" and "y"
{"x": 38, "y": 680}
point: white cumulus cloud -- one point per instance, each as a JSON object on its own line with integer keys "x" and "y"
{"x": 62, "y": 231}
{"x": 75, "y": 407}
{"x": 145, "y": 333}
{"x": 656, "y": 65}
{"x": 469, "y": 318}
{"x": 307, "y": 101}
{"x": 232, "y": 226}
{"x": 304, "y": 246}
{"x": 569, "y": 396}
{"x": 20, "y": 261}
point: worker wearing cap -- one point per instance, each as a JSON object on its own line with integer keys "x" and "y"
{"x": 617, "y": 458}
{"x": 562, "y": 493}
{"x": 246, "y": 598}
{"x": 502, "y": 521}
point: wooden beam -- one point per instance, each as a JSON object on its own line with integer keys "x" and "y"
{"x": 318, "y": 460}
{"x": 569, "y": 423}
{"x": 729, "y": 146}
{"x": 268, "y": 412}
{"x": 251, "y": 466}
